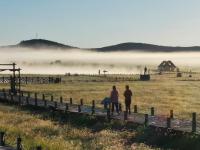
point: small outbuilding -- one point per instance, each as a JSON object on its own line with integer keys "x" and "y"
{"x": 167, "y": 66}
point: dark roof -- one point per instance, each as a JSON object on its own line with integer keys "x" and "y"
{"x": 167, "y": 63}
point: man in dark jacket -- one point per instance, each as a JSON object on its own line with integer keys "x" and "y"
{"x": 114, "y": 99}
{"x": 128, "y": 94}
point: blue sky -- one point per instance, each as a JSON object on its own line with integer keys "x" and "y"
{"x": 96, "y": 23}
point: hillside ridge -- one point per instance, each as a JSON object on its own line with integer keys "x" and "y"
{"x": 129, "y": 46}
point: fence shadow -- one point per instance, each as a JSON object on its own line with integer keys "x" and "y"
{"x": 151, "y": 136}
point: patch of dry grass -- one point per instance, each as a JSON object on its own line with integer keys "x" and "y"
{"x": 164, "y": 92}
{"x": 53, "y": 136}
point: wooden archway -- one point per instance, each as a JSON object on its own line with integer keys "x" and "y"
{"x": 15, "y": 81}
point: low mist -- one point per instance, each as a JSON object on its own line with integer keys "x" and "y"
{"x": 44, "y": 61}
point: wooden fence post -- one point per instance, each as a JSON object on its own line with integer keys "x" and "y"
{"x": 2, "y": 139}
{"x": 61, "y": 99}
{"x": 152, "y": 111}
{"x": 52, "y": 98}
{"x": 81, "y": 102}
{"x": 171, "y": 114}
{"x": 45, "y": 103}
{"x": 168, "y": 122}
{"x": 19, "y": 143}
{"x": 79, "y": 108}
{"x": 146, "y": 120}
{"x": 135, "y": 109}
{"x": 194, "y": 122}
{"x": 70, "y": 101}
{"x": 39, "y": 148}
{"x": 125, "y": 115}
{"x": 93, "y": 106}
{"x": 108, "y": 115}
{"x": 35, "y": 99}
{"x": 93, "y": 103}
{"x": 43, "y": 97}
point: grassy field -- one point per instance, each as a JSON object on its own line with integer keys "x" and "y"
{"x": 38, "y": 128}
{"x": 164, "y": 92}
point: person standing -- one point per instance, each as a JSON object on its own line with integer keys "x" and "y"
{"x": 145, "y": 70}
{"x": 128, "y": 94}
{"x": 114, "y": 99}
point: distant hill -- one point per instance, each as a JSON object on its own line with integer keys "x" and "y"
{"x": 41, "y": 43}
{"x": 146, "y": 47}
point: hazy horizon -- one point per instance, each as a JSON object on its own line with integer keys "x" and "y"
{"x": 87, "y": 62}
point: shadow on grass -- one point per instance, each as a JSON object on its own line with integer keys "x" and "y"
{"x": 167, "y": 139}
{"x": 154, "y": 137}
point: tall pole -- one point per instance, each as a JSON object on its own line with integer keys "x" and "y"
{"x": 14, "y": 70}
{"x": 19, "y": 79}
{"x": 14, "y": 77}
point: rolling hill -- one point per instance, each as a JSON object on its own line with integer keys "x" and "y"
{"x": 42, "y": 43}
{"x": 146, "y": 47}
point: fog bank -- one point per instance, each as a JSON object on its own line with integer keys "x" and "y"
{"x": 81, "y": 61}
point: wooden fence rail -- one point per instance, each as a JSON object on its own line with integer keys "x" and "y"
{"x": 32, "y": 80}
{"x": 166, "y": 122}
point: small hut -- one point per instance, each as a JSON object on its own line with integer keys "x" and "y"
{"x": 167, "y": 66}
{"x": 146, "y": 75}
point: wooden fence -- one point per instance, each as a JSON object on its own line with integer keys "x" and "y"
{"x": 158, "y": 121}
{"x": 19, "y": 145}
{"x": 101, "y": 78}
{"x": 33, "y": 80}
